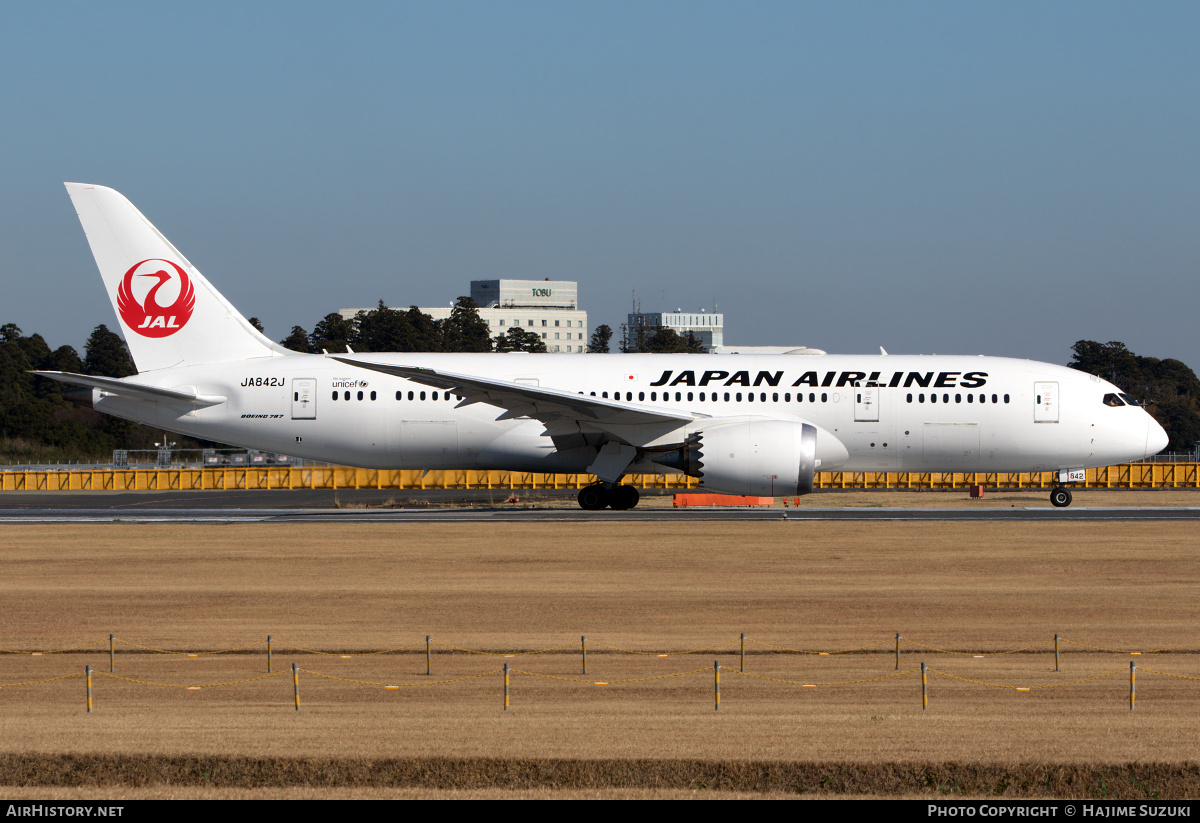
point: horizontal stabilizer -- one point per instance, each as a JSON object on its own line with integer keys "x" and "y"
{"x": 138, "y": 391}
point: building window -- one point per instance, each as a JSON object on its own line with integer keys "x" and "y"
{"x": 556, "y": 322}
{"x": 501, "y": 321}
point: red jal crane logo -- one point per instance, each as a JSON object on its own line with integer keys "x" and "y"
{"x": 148, "y": 317}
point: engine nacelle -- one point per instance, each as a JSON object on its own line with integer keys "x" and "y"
{"x": 757, "y": 456}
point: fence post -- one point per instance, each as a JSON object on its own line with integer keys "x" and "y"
{"x": 296, "y": 684}
{"x": 505, "y": 687}
{"x": 717, "y": 685}
{"x": 743, "y": 652}
{"x": 897, "y": 651}
{"x": 1056, "y": 651}
{"x": 428, "y": 657}
{"x": 268, "y": 654}
{"x": 583, "y": 645}
{"x": 87, "y": 670}
{"x": 112, "y": 652}
{"x": 924, "y": 687}
{"x": 1132, "y": 684}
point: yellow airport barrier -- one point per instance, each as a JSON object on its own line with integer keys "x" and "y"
{"x": 1124, "y": 476}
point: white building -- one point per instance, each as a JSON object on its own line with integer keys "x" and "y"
{"x": 549, "y": 308}
{"x": 709, "y": 327}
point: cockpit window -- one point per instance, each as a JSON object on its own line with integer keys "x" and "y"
{"x": 1113, "y": 400}
{"x": 1128, "y": 399}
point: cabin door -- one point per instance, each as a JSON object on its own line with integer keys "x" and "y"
{"x": 1046, "y": 410}
{"x": 304, "y": 398}
{"x": 866, "y": 404}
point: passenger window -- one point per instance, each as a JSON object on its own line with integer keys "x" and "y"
{"x": 604, "y": 394}
{"x": 824, "y": 397}
{"x": 958, "y": 398}
{"x": 995, "y": 399}
{"x": 812, "y": 397}
{"x": 774, "y": 397}
{"x": 689, "y": 397}
{"x": 1006, "y": 398}
{"x": 787, "y": 397}
{"x": 750, "y": 397}
{"x": 945, "y": 398}
{"x": 422, "y": 395}
{"x": 762, "y": 396}
{"x": 739, "y": 397}
{"x": 909, "y": 398}
{"x": 335, "y": 394}
{"x": 410, "y": 395}
{"x": 398, "y": 395}
{"x": 372, "y": 395}
{"x": 933, "y": 398}
{"x": 435, "y": 397}
{"x": 347, "y": 395}
{"x": 726, "y": 397}
{"x": 641, "y": 395}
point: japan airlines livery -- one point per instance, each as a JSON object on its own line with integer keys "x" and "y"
{"x": 743, "y": 424}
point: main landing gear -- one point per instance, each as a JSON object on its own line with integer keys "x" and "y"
{"x": 1060, "y": 497}
{"x": 618, "y": 498}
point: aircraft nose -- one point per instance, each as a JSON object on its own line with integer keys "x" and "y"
{"x": 1156, "y": 437}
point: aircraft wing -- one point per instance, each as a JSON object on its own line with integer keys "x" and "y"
{"x": 553, "y": 407}
{"x": 137, "y": 391}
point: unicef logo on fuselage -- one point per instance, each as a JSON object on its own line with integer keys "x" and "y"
{"x": 155, "y": 298}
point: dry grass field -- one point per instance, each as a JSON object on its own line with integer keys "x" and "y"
{"x": 507, "y": 588}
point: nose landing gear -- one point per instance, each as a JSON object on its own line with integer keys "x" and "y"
{"x": 618, "y": 498}
{"x": 1060, "y": 497}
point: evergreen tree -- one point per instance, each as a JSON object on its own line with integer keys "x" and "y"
{"x": 256, "y": 324}
{"x": 332, "y": 333}
{"x": 517, "y": 339}
{"x": 425, "y": 336}
{"x": 464, "y": 330}
{"x": 662, "y": 340}
{"x": 600, "y": 339}
{"x": 382, "y": 329}
{"x": 298, "y": 341}
{"x": 106, "y": 354}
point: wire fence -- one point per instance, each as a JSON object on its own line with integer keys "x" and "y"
{"x": 867, "y": 655}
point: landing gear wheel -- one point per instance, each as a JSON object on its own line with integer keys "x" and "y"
{"x": 1060, "y": 497}
{"x": 623, "y": 497}
{"x": 594, "y": 497}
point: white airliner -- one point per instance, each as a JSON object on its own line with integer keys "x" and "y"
{"x": 743, "y": 424}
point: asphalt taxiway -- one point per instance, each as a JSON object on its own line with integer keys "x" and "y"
{"x": 488, "y": 506}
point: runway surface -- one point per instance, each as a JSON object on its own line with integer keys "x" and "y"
{"x": 459, "y": 506}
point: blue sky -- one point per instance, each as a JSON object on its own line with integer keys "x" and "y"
{"x": 999, "y": 178}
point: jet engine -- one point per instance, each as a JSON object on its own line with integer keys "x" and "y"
{"x": 756, "y": 456}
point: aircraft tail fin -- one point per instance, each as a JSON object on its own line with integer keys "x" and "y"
{"x": 169, "y": 313}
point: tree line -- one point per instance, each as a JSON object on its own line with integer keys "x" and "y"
{"x": 385, "y": 329}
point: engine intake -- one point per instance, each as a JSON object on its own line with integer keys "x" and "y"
{"x": 757, "y": 457}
